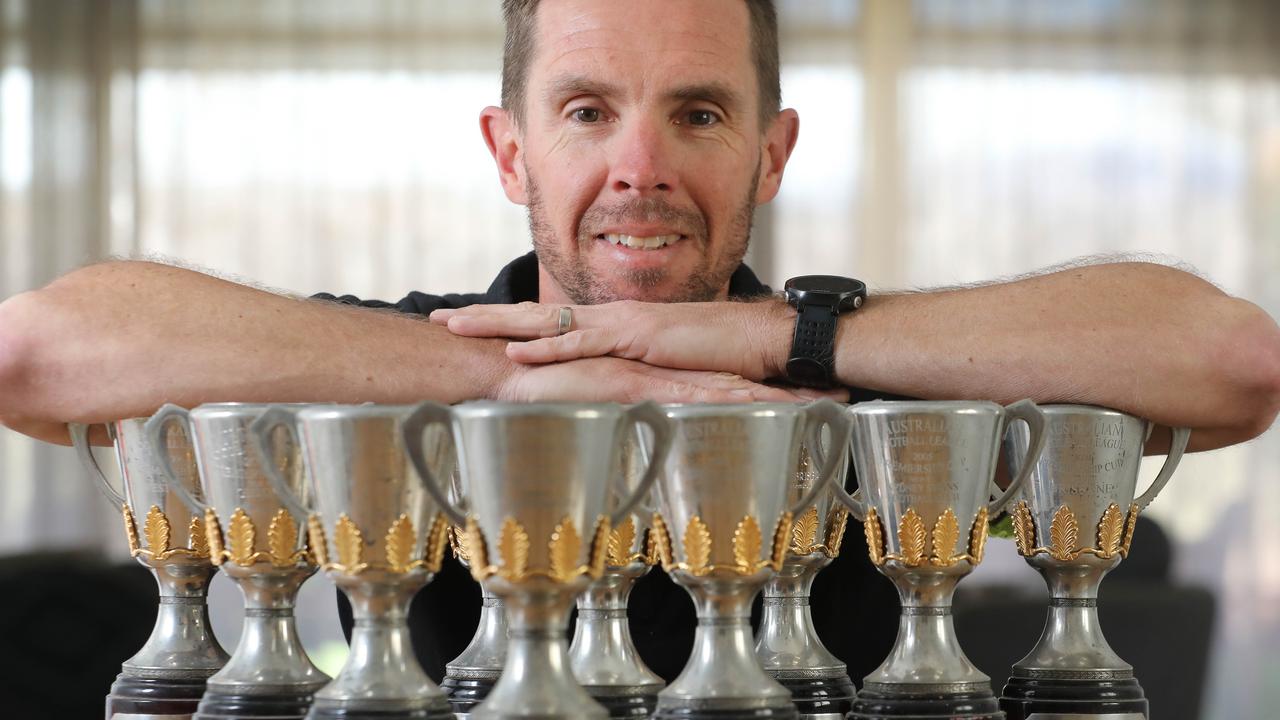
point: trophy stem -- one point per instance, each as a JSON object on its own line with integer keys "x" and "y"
{"x": 167, "y": 676}
{"x": 269, "y": 674}
{"x": 1072, "y": 669}
{"x": 382, "y": 677}
{"x": 470, "y": 677}
{"x": 723, "y": 676}
{"x": 789, "y": 648}
{"x": 537, "y": 673}
{"x": 603, "y": 656}
{"x": 926, "y": 673}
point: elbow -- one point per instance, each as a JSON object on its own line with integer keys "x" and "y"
{"x": 1252, "y": 355}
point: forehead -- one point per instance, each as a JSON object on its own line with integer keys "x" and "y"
{"x": 644, "y": 45}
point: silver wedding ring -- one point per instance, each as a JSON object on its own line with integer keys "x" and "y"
{"x": 565, "y": 322}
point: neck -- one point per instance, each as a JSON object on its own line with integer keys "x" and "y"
{"x": 550, "y": 292}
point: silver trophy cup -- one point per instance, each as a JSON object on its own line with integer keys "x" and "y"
{"x": 926, "y": 474}
{"x": 167, "y": 676}
{"x": 261, "y": 545}
{"x": 1074, "y": 522}
{"x": 539, "y": 480}
{"x": 722, "y": 530}
{"x": 603, "y": 656}
{"x": 787, "y": 643}
{"x": 379, "y": 535}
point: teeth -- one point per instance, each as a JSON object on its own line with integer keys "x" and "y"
{"x": 642, "y": 243}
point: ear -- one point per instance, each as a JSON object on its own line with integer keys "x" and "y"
{"x": 503, "y": 139}
{"x": 779, "y": 141}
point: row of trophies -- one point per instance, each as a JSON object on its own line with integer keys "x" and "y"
{"x": 552, "y": 504}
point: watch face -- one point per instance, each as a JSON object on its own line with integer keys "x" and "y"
{"x": 832, "y": 290}
{"x": 834, "y": 284}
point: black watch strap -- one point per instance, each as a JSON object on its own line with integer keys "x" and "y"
{"x": 812, "y": 359}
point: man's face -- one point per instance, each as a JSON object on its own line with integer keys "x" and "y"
{"x": 641, "y": 148}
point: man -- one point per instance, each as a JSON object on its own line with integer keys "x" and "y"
{"x": 640, "y": 136}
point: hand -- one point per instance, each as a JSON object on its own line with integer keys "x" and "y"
{"x": 749, "y": 339}
{"x": 617, "y": 380}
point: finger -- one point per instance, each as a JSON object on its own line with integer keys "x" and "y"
{"x": 727, "y": 387}
{"x": 441, "y": 316}
{"x": 595, "y": 342}
{"x": 540, "y": 321}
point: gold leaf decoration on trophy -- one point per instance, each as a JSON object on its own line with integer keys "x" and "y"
{"x": 837, "y": 521}
{"x": 513, "y": 550}
{"x": 602, "y": 545}
{"x": 978, "y": 536}
{"x": 875, "y": 537}
{"x": 804, "y": 533}
{"x": 131, "y": 531}
{"x": 213, "y": 537}
{"x": 747, "y": 543}
{"x": 156, "y": 529}
{"x": 282, "y": 538}
{"x": 1129, "y": 528}
{"x": 946, "y": 533}
{"x": 477, "y": 552}
{"x": 660, "y": 541}
{"x": 1024, "y": 529}
{"x": 781, "y": 533}
{"x": 1110, "y": 529}
{"x": 199, "y": 538}
{"x": 399, "y": 544}
{"x": 349, "y": 543}
{"x": 1064, "y": 535}
{"x": 458, "y": 544}
{"x": 241, "y": 536}
{"x": 316, "y": 539}
{"x": 911, "y": 537}
{"x": 621, "y": 540}
{"x": 437, "y": 539}
{"x": 564, "y": 550}
{"x": 697, "y": 546}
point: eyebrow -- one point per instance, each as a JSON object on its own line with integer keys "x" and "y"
{"x": 567, "y": 86}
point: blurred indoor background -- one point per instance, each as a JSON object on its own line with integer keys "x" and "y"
{"x": 328, "y": 145}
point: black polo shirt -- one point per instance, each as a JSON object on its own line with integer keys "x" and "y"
{"x": 854, "y": 608}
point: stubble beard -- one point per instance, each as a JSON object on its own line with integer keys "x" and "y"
{"x": 706, "y": 282}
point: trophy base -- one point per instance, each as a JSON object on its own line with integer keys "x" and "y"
{"x": 821, "y": 696}
{"x": 639, "y": 704}
{"x": 466, "y": 693}
{"x": 440, "y": 711}
{"x": 748, "y": 713}
{"x": 225, "y": 706}
{"x": 968, "y": 706}
{"x": 155, "y": 698}
{"x": 1023, "y": 698}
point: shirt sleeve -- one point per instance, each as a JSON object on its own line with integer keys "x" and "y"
{"x": 415, "y": 303}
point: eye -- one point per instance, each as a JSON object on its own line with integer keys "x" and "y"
{"x": 702, "y": 118}
{"x": 586, "y": 115}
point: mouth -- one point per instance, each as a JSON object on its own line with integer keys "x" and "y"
{"x": 637, "y": 242}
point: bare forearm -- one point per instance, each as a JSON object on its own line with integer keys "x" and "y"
{"x": 118, "y": 339}
{"x": 1142, "y": 338}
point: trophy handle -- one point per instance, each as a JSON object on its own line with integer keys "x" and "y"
{"x": 412, "y": 428}
{"x": 1177, "y": 446}
{"x": 153, "y": 431}
{"x": 645, "y": 414}
{"x": 826, "y": 413}
{"x": 1028, "y": 412}
{"x": 260, "y": 433}
{"x": 80, "y": 440}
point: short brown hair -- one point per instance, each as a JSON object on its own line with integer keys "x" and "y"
{"x": 519, "y": 16}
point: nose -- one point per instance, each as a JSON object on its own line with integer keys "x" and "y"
{"x": 643, "y": 160}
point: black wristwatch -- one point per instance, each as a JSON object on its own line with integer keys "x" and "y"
{"x": 819, "y": 300}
